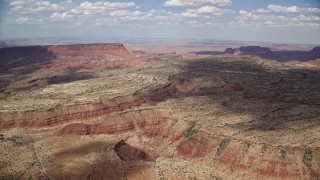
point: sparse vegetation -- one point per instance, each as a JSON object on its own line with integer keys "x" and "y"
{"x": 245, "y": 149}
{"x": 264, "y": 149}
{"x": 283, "y": 153}
{"x": 305, "y": 75}
{"x": 307, "y": 156}
{"x": 217, "y": 178}
{"x": 222, "y": 146}
{"x": 190, "y": 131}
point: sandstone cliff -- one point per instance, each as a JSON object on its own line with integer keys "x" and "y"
{"x": 65, "y": 57}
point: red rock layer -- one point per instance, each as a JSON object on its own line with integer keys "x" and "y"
{"x": 61, "y": 115}
{"x": 241, "y": 159}
{"x": 76, "y": 112}
{"x": 237, "y": 158}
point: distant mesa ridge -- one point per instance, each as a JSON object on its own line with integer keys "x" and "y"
{"x": 316, "y": 49}
{"x": 249, "y": 50}
{"x": 25, "y": 59}
{"x": 61, "y": 48}
{"x": 282, "y": 56}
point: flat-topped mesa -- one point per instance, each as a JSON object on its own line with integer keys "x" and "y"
{"x": 252, "y": 50}
{"x": 111, "y": 48}
{"x": 79, "y": 47}
{"x": 65, "y": 57}
{"x": 97, "y": 49}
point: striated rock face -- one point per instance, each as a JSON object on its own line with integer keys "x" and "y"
{"x": 65, "y": 57}
{"x": 235, "y": 157}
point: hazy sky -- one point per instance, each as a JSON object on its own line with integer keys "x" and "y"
{"x": 293, "y": 21}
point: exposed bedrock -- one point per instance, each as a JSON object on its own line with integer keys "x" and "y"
{"x": 235, "y": 157}
{"x": 119, "y": 123}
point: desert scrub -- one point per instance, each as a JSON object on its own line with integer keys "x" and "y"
{"x": 307, "y": 156}
{"x": 245, "y": 150}
{"x": 283, "y": 154}
{"x": 217, "y": 178}
{"x": 304, "y": 75}
{"x": 190, "y": 131}
{"x": 264, "y": 149}
{"x": 222, "y": 146}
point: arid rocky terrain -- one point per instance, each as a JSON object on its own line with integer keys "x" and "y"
{"x": 99, "y": 112}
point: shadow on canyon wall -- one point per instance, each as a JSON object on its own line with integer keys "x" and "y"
{"x": 23, "y": 82}
{"x": 103, "y": 163}
{"x": 24, "y": 60}
{"x": 70, "y": 77}
{"x": 106, "y": 164}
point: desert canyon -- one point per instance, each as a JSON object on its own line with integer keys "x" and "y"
{"x": 101, "y": 111}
